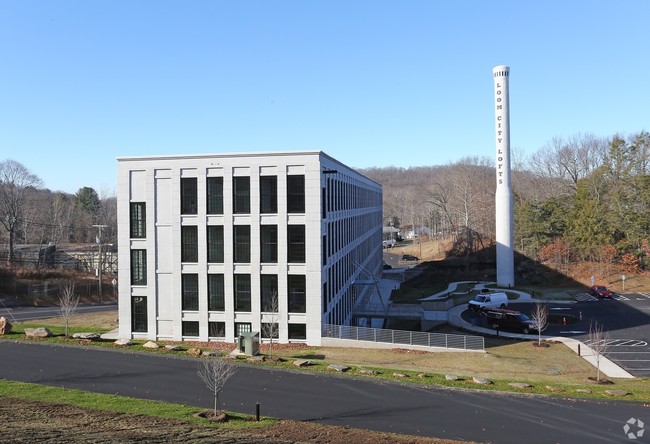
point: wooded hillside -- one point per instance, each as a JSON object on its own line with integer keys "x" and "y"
{"x": 581, "y": 199}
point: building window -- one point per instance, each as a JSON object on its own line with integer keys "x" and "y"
{"x": 138, "y": 267}
{"x": 270, "y": 330}
{"x": 269, "y": 293}
{"x": 241, "y": 328}
{"x": 297, "y": 331}
{"x": 216, "y": 293}
{"x": 296, "y": 194}
{"x": 216, "y": 329}
{"x": 269, "y": 243}
{"x": 214, "y": 195}
{"x": 189, "y": 244}
{"x": 297, "y": 293}
{"x": 242, "y": 292}
{"x": 190, "y": 289}
{"x": 138, "y": 220}
{"x": 215, "y": 243}
{"x": 190, "y": 328}
{"x": 242, "y": 243}
{"x": 296, "y": 243}
{"x": 139, "y": 314}
{"x": 188, "y": 195}
{"x": 268, "y": 194}
{"x": 241, "y": 195}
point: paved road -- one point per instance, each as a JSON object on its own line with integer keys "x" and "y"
{"x": 359, "y": 403}
{"x": 24, "y": 313}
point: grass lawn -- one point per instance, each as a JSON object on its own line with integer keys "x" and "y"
{"x": 505, "y": 361}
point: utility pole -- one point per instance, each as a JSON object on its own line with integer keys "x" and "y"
{"x": 98, "y": 239}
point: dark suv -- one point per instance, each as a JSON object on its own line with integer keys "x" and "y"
{"x": 499, "y": 318}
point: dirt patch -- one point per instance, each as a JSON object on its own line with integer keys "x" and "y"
{"x": 32, "y": 421}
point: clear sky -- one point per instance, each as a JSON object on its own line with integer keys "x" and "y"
{"x": 371, "y": 83}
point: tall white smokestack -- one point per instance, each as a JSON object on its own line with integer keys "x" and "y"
{"x": 503, "y": 197}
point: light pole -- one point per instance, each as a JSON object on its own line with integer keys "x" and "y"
{"x": 98, "y": 239}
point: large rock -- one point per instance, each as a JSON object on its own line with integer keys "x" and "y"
{"x": 5, "y": 326}
{"x": 90, "y": 336}
{"x": 338, "y": 368}
{"x": 40, "y": 332}
{"x": 123, "y": 342}
{"x": 482, "y": 381}
{"x": 150, "y": 344}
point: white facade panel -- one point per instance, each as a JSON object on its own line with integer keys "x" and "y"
{"x": 336, "y": 199}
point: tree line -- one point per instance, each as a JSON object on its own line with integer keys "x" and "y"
{"x": 31, "y": 214}
{"x": 584, "y": 198}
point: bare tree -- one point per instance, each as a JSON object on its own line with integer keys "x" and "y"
{"x": 598, "y": 342}
{"x": 540, "y": 316}
{"x": 215, "y": 373}
{"x": 271, "y": 328}
{"x": 15, "y": 183}
{"x": 68, "y": 304}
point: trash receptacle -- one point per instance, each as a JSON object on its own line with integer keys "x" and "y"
{"x": 249, "y": 343}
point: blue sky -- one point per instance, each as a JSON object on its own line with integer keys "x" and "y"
{"x": 371, "y": 83}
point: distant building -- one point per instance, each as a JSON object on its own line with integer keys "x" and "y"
{"x": 207, "y": 241}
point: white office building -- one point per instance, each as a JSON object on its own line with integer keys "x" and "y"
{"x": 213, "y": 246}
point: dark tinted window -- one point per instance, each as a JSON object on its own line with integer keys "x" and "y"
{"x": 189, "y": 244}
{"x": 214, "y": 195}
{"x": 241, "y": 195}
{"x": 215, "y": 243}
{"x": 242, "y": 243}
{"x": 268, "y": 194}
{"x": 188, "y": 195}
{"x": 268, "y": 243}
{"x": 138, "y": 220}
{"x": 296, "y": 194}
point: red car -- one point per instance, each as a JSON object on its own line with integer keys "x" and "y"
{"x": 601, "y": 292}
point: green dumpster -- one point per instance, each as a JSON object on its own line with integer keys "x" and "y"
{"x": 249, "y": 343}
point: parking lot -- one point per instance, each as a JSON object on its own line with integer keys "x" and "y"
{"x": 625, "y": 320}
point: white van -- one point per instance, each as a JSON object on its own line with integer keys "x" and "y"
{"x": 491, "y": 300}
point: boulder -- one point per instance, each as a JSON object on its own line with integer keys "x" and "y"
{"x": 520, "y": 385}
{"x": 123, "y": 342}
{"x": 482, "y": 381}
{"x": 40, "y": 332}
{"x": 5, "y": 326}
{"x": 364, "y": 371}
{"x": 302, "y": 363}
{"x": 194, "y": 351}
{"x": 400, "y": 375}
{"x": 174, "y": 348}
{"x": 210, "y": 353}
{"x": 451, "y": 378}
{"x": 338, "y": 368}
{"x": 554, "y": 389}
{"x": 150, "y": 344}
{"x": 90, "y": 336}
{"x": 617, "y": 392}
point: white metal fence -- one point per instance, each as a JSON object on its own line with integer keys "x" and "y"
{"x": 404, "y": 337}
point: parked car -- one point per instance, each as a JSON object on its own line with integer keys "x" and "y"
{"x": 601, "y": 292}
{"x": 390, "y": 243}
{"x": 499, "y": 318}
{"x": 410, "y": 257}
{"x": 487, "y": 300}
